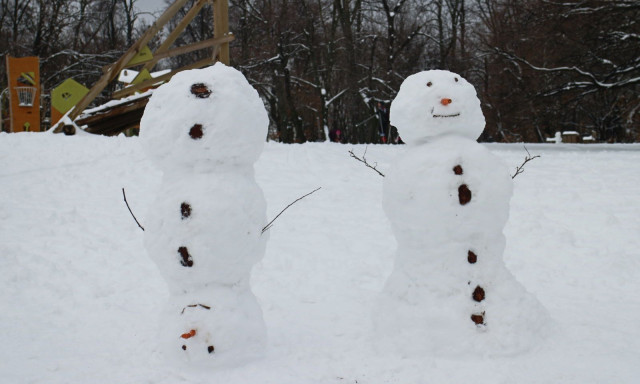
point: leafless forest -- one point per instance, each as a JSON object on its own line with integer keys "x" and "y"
{"x": 539, "y": 66}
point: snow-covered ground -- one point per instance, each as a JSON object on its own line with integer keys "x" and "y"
{"x": 80, "y": 297}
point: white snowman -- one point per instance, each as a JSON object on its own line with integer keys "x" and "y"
{"x": 447, "y": 198}
{"x": 205, "y": 129}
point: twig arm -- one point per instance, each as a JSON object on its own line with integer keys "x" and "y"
{"x": 134, "y": 216}
{"x": 364, "y": 161}
{"x": 266, "y": 227}
{"x": 527, "y": 159}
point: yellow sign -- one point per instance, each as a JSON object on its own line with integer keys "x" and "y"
{"x": 144, "y": 75}
{"x": 142, "y": 56}
{"x": 67, "y": 94}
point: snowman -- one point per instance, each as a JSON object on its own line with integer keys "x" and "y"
{"x": 447, "y": 199}
{"x": 205, "y": 129}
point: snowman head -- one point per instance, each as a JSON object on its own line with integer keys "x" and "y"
{"x": 435, "y": 103}
{"x": 204, "y": 118}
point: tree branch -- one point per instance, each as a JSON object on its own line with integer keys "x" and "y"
{"x": 134, "y": 217}
{"x": 527, "y": 159}
{"x": 270, "y": 224}
{"x": 364, "y": 161}
{"x": 592, "y": 78}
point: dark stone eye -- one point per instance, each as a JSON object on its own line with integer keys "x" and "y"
{"x": 196, "y": 132}
{"x": 464, "y": 194}
{"x": 456, "y": 79}
{"x": 478, "y": 294}
{"x": 478, "y": 319}
{"x": 472, "y": 258}
{"x": 185, "y": 209}
{"x": 200, "y": 90}
{"x": 429, "y": 84}
{"x": 187, "y": 260}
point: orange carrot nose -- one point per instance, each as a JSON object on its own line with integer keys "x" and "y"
{"x": 445, "y": 101}
{"x": 188, "y": 335}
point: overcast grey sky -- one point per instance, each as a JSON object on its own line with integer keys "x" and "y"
{"x": 156, "y": 7}
{"x": 151, "y": 5}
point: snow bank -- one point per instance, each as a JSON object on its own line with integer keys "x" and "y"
{"x": 80, "y": 297}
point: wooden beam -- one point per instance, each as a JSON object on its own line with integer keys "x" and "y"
{"x": 184, "y": 49}
{"x": 216, "y": 52}
{"x": 177, "y": 31}
{"x": 148, "y": 83}
{"x": 196, "y": 46}
{"x": 122, "y": 62}
{"x": 221, "y": 27}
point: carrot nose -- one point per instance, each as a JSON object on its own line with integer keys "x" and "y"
{"x": 445, "y": 101}
{"x": 189, "y": 334}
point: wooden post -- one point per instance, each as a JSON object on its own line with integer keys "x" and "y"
{"x": 177, "y": 31}
{"x": 221, "y": 27}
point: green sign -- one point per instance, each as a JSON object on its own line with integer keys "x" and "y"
{"x": 142, "y": 56}
{"x": 144, "y": 75}
{"x": 66, "y": 95}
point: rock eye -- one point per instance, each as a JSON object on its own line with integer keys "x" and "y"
{"x": 456, "y": 79}
{"x": 200, "y": 90}
{"x": 429, "y": 84}
{"x": 196, "y": 132}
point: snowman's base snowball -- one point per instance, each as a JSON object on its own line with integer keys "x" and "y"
{"x": 425, "y": 317}
{"x": 214, "y": 327}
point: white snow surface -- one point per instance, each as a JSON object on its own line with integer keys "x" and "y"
{"x": 80, "y": 297}
{"x": 435, "y": 103}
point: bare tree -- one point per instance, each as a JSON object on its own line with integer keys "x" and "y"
{"x": 564, "y": 73}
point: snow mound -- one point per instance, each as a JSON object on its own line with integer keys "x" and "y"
{"x": 80, "y": 298}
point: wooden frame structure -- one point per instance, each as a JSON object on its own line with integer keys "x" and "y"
{"x": 219, "y": 43}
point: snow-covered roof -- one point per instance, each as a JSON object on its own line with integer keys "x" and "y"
{"x": 128, "y": 75}
{"x": 113, "y": 103}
